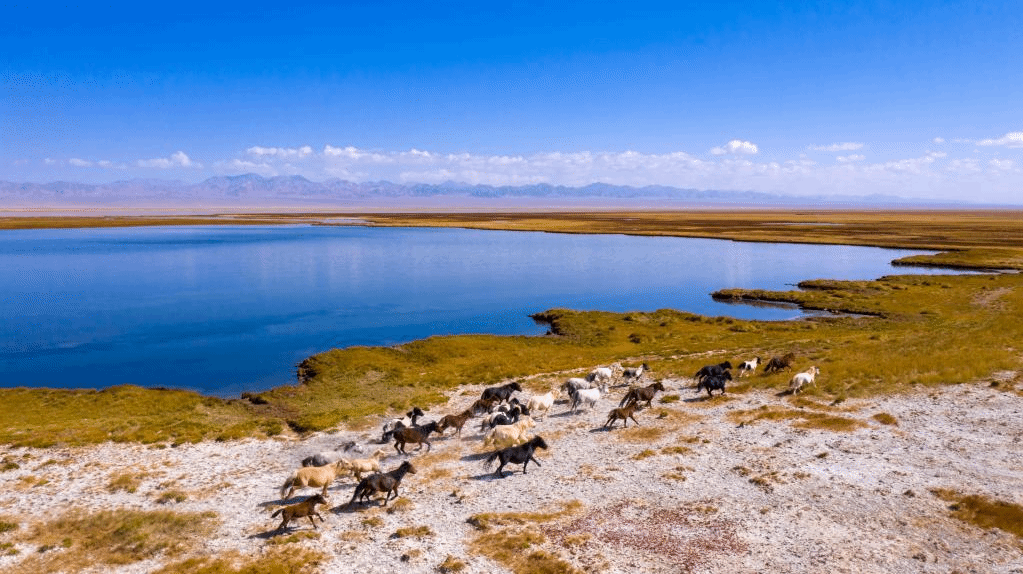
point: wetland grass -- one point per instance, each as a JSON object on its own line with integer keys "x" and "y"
{"x": 915, "y": 330}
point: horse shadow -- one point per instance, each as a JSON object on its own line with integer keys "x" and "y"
{"x": 475, "y": 457}
{"x": 489, "y": 476}
{"x": 601, "y": 428}
{"x": 698, "y": 399}
{"x": 562, "y": 414}
{"x": 268, "y": 534}
{"x": 351, "y": 507}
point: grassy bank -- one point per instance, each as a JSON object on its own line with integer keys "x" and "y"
{"x": 913, "y": 330}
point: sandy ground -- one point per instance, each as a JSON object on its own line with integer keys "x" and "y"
{"x": 759, "y": 497}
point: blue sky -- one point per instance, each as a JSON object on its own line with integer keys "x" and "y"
{"x": 920, "y": 99}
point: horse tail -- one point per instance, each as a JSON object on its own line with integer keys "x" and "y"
{"x": 629, "y": 397}
{"x": 279, "y": 510}
{"x": 287, "y": 484}
{"x": 358, "y": 490}
{"x": 489, "y": 462}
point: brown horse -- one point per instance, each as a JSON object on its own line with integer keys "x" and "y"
{"x": 782, "y": 363}
{"x": 455, "y": 421}
{"x": 646, "y": 393}
{"x": 624, "y": 414}
{"x": 304, "y": 508}
{"x": 417, "y": 435}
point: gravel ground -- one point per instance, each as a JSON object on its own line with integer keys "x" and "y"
{"x": 694, "y": 490}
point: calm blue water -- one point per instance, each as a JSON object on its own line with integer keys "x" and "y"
{"x": 229, "y": 309}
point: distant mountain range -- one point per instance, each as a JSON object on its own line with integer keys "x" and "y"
{"x": 251, "y": 190}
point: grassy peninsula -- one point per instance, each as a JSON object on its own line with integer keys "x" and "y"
{"x": 907, "y": 330}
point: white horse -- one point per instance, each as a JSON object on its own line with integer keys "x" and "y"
{"x": 539, "y": 403}
{"x": 800, "y": 380}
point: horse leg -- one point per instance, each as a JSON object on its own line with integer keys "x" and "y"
{"x": 634, "y": 420}
{"x": 529, "y": 458}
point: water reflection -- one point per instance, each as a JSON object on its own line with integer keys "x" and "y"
{"x": 228, "y": 309}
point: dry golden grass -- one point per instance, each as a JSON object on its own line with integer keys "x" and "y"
{"x": 277, "y": 560}
{"x": 78, "y": 540}
{"x": 451, "y": 564}
{"x": 400, "y": 504}
{"x": 641, "y": 434}
{"x": 299, "y": 536}
{"x": 169, "y": 496}
{"x": 372, "y": 522}
{"x": 984, "y": 512}
{"x": 512, "y": 539}
{"x": 487, "y": 520}
{"x": 800, "y": 418}
{"x": 518, "y": 549}
{"x": 412, "y": 531}
{"x": 8, "y": 524}
{"x": 885, "y": 419}
{"x": 645, "y": 453}
{"x": 125, "y": 481}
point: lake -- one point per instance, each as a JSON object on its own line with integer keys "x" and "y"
{"x": 226, "y": 309}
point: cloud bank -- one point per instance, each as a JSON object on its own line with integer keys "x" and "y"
{"x": 965, "y": 168}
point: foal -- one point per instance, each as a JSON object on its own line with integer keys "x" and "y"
{"x": 455, "y": 421}
{"x": 296, "y": 511}
{"x": 520, "y": 454}
{"x": 624, "y": 413}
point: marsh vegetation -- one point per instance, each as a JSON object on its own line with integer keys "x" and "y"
{"x": 907, "y": 331}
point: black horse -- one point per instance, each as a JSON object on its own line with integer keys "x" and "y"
{"x": 502, "y": 393}
{"x": 382, "y": 482}
{"x": 715, "y": 382}
{"x": 712, "y": 370}
{"x": 520, "y": 454}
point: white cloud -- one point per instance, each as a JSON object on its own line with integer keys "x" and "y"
{"x": 49, "y": 161}
{"x": 736, "y": 147}
{"x": 931, "y": 174}
{"x": 176, "y": 159}
{"x": 844, "y": 146}
{"x": 79, "y": 162}
{"x": 354, "y": 153}
{"x": 1011, "y": 139}
{"x": 303, "y": 151}
{"x": 1002, "y": 164}
{"x": 938, "y": 140}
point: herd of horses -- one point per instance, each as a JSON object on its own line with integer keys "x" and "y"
{"x": 506, "y": 421}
